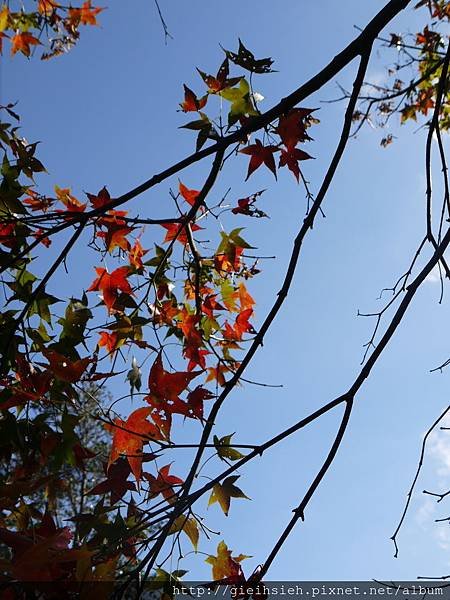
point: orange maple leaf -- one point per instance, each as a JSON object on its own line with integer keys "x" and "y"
{"x": 245, "y": 299}
{"x": 86, "y": 15}
{"x": 178, "y": 231}
{"x": 129, "y": 438}
{"x": 135, "y": 255}
{"x": 229, "y": 262}
{"x": 108, "y": 340}
{"x": 115, "y": 236}
{"x": 69, "y": 201}
{"x": 21, "y": 42}
{"x": 110, "y": 284}
{"x": 224, "y": 565}
{"x": 189, "y": 195}
{"x": 47, "y": 7}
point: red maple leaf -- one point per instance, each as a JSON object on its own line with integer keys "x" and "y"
{"x": 191, "y": 102}
{"x": 65, "y": 369}
{"x": 110, "y": 284}
{"x": 165, "y": 386}
{"x": 292, "y": 128}
{"x": 260, "y": 155}
{"x": 116, "y": 481}
{"x": 195, "y": 400}
{"x": 101, "y": 199}
{"x": 37, "y": 202}
{"x": 291, "y": 158}
{"x": 163, "y": 484}
{"x": 210, "y": 304}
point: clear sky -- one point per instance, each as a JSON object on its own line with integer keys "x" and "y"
{"x": 106, "y": 114}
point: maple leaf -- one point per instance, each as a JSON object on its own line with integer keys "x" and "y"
{"x": 163, "y": 484}
{"x": 110, "y": 284}
{"x": 187, "y": 323}
{"x": 245, "y": 300}
{"x": 223, "y": 492}
{"x": 135, "y": 255}
{"x": 164, "y": 312}
{"x": 195, "y": 355}
{"x": 191, "y": 102}
{"x": 47, "y": 7}
{"x": 36, "y": 553}
{"x": 21, "y": 42}
{"x": 116, "y": 481}
{"x": 189, "y": 527}
{"x": 81, "y": 454}
{"x": 166, "y": 387}
{"x": 193, "y": 341}
{"x": 101, "y": 199}
{"x": 108, "y": 340}
{"x": 210, "y": 304}
{"x": 224, "y": 565}
{"x": 65, "y": 369}
{"x": 32, "y": 384}
{"x": 220, "y": 81}
{"x": 37, "y": 202}
{"x": 224, "y": 449}
{"x": 7, "y": 235}
{"x": 241, "y": 326}
{"x": 260, "y": 155}
{"x": 246, "y": 59}
{"x": 217, "y": 373}
{"x": 195, "y": 401}
{"x": 425, "y": 100}
{"x": 292, "y": 126}
{"x": 241, "y": 101}
{"x": 115, "y": 236}
{"x": 86, "y": 15}
{"x": 229, "y": 251}
{"x": 178, "y": 231}
{"x": 291, "y": 158}
{"x": 189, "y": 195}
{"x": 129, "y": 438}
{"x": 69, "y": 201}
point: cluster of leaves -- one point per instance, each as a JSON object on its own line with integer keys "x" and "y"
{"x": 291, "y": 128}
{"x": 423, "y": 55}
{"x": 183, "y": 291}
{"x": 24, "y": 29}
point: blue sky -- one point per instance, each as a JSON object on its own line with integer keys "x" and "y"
{"x": 106, "y": 114}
